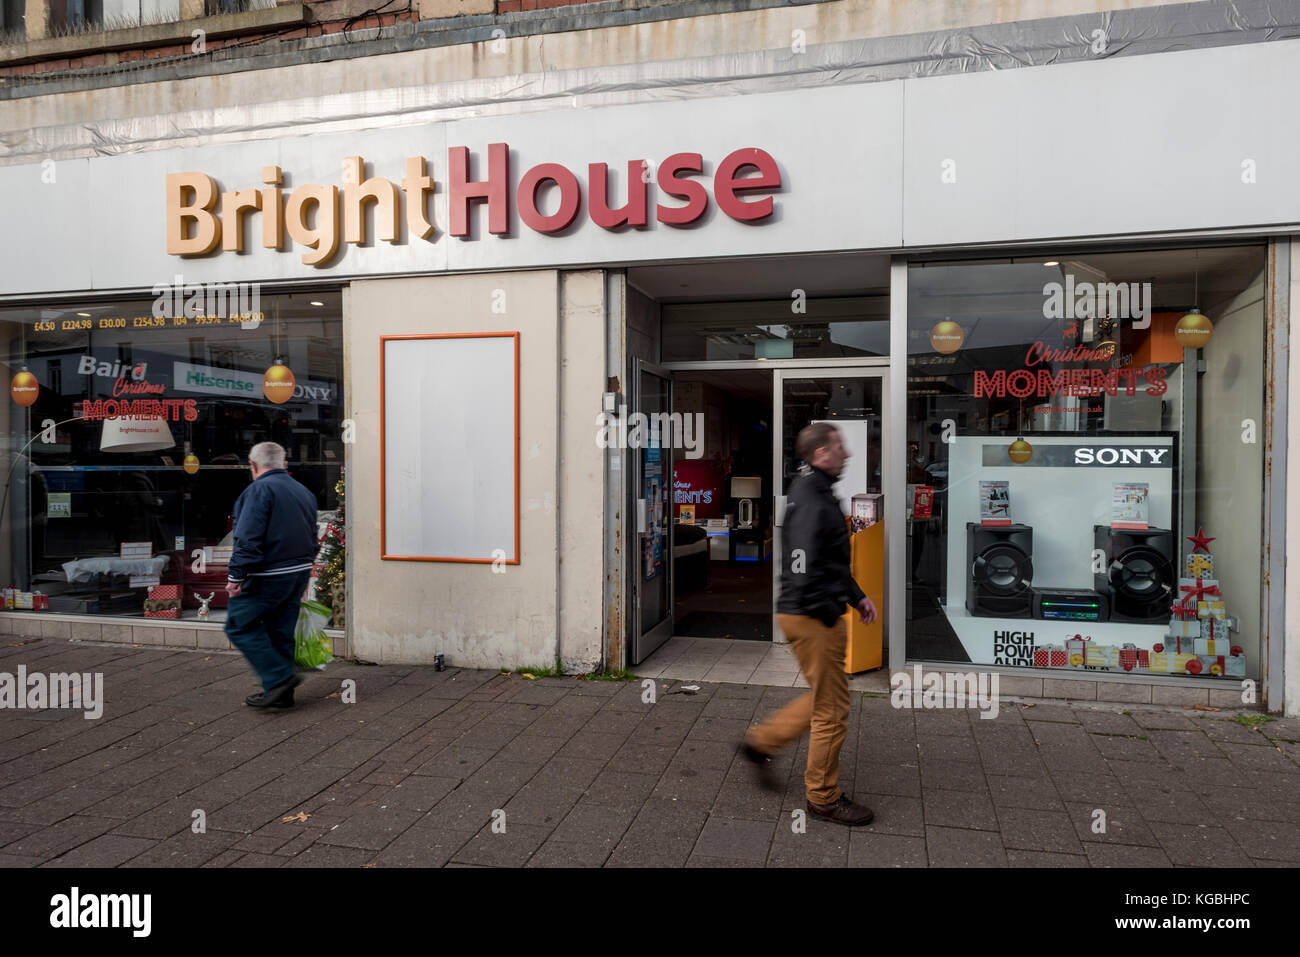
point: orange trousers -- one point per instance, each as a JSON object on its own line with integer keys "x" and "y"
{"x": 823, "y": 712}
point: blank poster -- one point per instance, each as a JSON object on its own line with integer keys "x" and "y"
{"x": 450, "y": 447}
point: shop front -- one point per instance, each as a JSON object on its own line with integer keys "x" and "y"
{"x": 1067, "y": 415}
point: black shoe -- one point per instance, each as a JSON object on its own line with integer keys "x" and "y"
{"x": 762, "y": 763}
{"x": 842, "y": 811}
{"x": 272, "y": 698}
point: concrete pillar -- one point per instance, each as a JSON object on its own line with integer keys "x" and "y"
{"x": 37, "y": 19}
{"x": 438, "y": 9}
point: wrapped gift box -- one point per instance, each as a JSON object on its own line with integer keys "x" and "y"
{"x": 1184, "y": 629}
{"x": 1206, "y": 666}
{"x": 164, "y": 613}
{"x": 1101, "y": 656}
{"x": 1199, "y": 566}
{"x": 1076, "y": 654}
{"x": 1211, "y": 609}
{"x": 1131, "y": 656}
{"x": 1049, "y": 656}
{"x": 1170, "y": 662}
{"x": 23, "y": 599}
{"x": 1234, "y": 666}
{"x": 1212, "y": 646}
{"x": 164, "y": 592}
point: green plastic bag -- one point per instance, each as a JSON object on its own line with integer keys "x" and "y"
{"x": 311, "y": 646}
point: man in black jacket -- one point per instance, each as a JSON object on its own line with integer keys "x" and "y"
{"x": 816, "y": 587}
{"x": 275, "y": 546}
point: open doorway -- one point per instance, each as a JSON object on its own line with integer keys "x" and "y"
{"x": 722, "y": 507}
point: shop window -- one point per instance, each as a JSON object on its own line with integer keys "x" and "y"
{"x": 128, "y": 435}
{"x": 12, "y": 21}
{"x": 1074, "y": 422}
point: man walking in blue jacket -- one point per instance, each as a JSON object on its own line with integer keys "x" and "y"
{"x": 275, "y": 546}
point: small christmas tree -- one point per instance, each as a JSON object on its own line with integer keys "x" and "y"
{"x": 331, "y": 582}
{"x": 1199, "y": 627}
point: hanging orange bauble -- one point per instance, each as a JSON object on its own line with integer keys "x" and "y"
{"x": 1193, "y": 330}
{"x": 947, "y": 337}
{"x": 191, "y": 463}
{"x": 278, "y": 383}
{"x": 1020, "y": 451}
{"x": 24, "y": 388}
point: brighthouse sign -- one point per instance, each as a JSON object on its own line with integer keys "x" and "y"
{"x": 202, "y": 221}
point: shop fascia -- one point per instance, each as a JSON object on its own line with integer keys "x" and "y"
{"x": 201, "y": 220}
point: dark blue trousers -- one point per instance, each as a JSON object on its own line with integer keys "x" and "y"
{"x": 260, "y": 623}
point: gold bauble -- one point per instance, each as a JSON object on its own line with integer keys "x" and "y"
{"x": 278, "y": 383}
{"x": 1020, "y": 451}
{"x": 1193, "y": 330}
{"x": 24, "y": 389}
{"x": 191, "y": 463}
{"x": 946, "y": 337}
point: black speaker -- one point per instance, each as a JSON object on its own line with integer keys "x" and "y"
{"x": 1139, "y": 575}
{"x": 1001, "y": 570}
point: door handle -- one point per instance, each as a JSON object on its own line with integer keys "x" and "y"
{"x": 640, "y": 516}
{"x": 779, "y": 517}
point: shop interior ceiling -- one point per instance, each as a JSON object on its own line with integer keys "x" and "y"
{"x": 1145, "y": 30}
{"x": 848, "y": 274}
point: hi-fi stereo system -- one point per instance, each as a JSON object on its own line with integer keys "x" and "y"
{"x": 1137, "y": 584}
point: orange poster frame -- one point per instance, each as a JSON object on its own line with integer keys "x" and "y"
{"x": 383, "y": 450}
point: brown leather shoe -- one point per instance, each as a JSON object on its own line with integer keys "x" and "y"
{"x": 763, "y": 766}
{"x": 842, "y": 811}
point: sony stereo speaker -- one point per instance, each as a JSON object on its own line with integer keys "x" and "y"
{"x": 1001, "y": 564}
{"x": 1139, "y": 576}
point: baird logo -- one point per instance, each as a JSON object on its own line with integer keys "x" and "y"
{"x": 1121, "y": 456}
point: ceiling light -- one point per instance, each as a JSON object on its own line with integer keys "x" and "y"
{"x": 84, "y": 314}
{"x": 1051, "y": 262}
{"x": 317, "y": 302}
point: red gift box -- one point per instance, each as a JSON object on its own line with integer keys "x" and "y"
{"x": 164, "y": 613}
{"x": 164, "y": 592}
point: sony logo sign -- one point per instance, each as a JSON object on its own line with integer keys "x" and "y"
{"x": 1121, "y": 456}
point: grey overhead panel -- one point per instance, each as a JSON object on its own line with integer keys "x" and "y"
{"x": 969, "y": 50}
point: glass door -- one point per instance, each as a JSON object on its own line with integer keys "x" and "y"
{"x": 853, "y": 400}
{"x": 650, "y": 453}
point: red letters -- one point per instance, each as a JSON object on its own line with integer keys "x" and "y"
{"x": 633, "y": 214}
{"x": 726, "y": 184}
{"x": 461, "y": 192}
{"x": 570, "y": 197}
{"x": 695, "y": 194}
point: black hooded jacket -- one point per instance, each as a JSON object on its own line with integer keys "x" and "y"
{"x": 816, "y": 579}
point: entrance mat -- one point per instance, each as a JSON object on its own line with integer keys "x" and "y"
{"x": 748, "y": 626}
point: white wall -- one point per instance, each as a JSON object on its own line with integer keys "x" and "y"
{"x": 1230, "y": 473}
{"x": 551, "y": 604}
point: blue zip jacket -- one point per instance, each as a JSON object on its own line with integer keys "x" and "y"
{"x": 275, "y": 527}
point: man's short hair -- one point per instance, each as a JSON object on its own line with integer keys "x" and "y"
{"x": 811, "y": 438}
{"x": 267, "y": 455}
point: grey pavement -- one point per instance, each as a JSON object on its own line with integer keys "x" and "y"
{"x": 474, "y": 768}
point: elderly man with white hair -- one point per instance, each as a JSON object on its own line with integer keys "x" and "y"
{"x": 275, "y": 545}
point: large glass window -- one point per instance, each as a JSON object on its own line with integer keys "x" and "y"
{"x": 128, "y": 429}
{"x": 1074, "y": 422}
